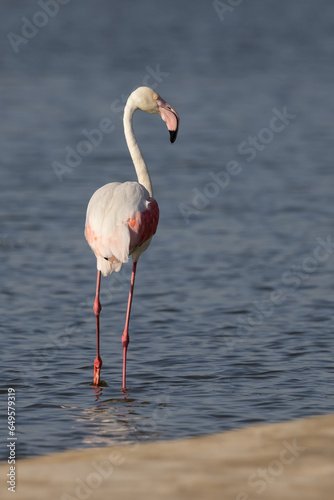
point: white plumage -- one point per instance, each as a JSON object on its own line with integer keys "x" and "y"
{"x": 107, "y": 222}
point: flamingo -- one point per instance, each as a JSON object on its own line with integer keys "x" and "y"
{"x": 122, "y": 218}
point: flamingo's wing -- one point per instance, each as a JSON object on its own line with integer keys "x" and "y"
{"x": 120, "y": 218}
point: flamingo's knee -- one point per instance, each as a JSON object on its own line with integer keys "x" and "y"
{"x": 97, "y": 307}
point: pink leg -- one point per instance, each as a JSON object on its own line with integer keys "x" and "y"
{"x": 97, "y": 309}
{"x": 125, "y": 336}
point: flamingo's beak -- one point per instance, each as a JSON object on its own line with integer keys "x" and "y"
{"x": 170, "y": 116}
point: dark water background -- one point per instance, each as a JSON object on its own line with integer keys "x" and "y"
{"x": 232, "y": 320}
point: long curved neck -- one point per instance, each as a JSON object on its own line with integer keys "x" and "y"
{"x": 137, "y": 158}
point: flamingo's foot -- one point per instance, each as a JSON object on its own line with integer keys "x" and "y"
{"x": 97, "y": 370}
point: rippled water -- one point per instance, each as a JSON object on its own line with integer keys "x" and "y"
{"x": 232, "y": 318}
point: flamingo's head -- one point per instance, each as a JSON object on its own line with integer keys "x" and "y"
{"x": 148, "y": 100}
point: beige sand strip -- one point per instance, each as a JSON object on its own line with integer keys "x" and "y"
{"x": 285, "y": 461}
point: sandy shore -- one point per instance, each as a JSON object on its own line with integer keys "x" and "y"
{"x": 292, "y": 460}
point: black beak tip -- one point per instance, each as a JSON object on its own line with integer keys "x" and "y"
{"x": 172, "y": 135}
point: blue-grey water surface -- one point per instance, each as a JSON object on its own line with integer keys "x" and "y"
{"x": 232, "y": 320}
